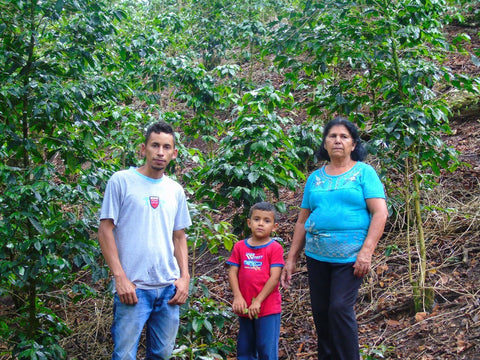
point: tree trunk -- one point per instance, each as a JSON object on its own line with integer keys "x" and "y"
{"x": 424, "y": 295}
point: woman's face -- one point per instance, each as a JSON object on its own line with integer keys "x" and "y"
{"x": 338, "y": 142}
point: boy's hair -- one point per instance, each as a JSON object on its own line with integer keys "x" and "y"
{"x": 264, "y": 206}
{"x": 159, "y": 127}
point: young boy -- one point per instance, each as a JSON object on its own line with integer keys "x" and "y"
{"x": 255, "y": 267}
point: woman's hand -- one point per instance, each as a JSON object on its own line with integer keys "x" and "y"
{"x": 287, "y": 272}
{"x": 378, "y": 208}
{"x": 363, "y": 263}
{"x": 298, "y": 243}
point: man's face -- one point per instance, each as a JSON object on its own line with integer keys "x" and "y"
{"x": 159, "y": 151}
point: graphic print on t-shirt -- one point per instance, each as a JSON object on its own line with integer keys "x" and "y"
{"x": 253, "y": 262}
{"x": 154, "y": 201}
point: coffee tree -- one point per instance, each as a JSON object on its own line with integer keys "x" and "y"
{"x": 255, "y": 159}
{"x": 381, "y": 64}
{"x": 49, "y": 167}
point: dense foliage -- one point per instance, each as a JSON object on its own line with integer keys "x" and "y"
{"x": 393, "y": 53}
{"x": 50, "y": 59}
{"x": 79, "y": 81}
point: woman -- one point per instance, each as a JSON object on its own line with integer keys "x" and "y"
{"x": 342, "y": 218}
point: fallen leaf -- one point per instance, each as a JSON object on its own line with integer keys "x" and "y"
{"x": 393, "y": 323}
{"x": 381, "y": 269}
{"x": 420, "y": 316}
{"x": 462, "y": 345}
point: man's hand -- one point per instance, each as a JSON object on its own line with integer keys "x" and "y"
{"x": 126, "y": 290}
{"x": 181, "y": 294}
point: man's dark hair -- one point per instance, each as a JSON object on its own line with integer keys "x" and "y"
{"x": 157, "y": 128}
{"x": 358, "y": 154}
{"x": 264, "y": 206}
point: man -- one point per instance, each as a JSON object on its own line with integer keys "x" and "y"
{"x": 142, "y": 238}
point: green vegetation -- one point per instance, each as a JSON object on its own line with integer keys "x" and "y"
{"x": 394, "y": 53}
{"x": 51, "y": 169}
{"x": 79, "y": 81}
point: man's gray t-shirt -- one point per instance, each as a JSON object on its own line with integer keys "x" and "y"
{"x": 145, "y": 212}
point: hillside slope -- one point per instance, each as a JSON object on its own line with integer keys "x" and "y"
{"x": 388, "y": 327}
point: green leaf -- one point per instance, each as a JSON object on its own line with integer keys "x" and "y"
{"x": 281, "y": 207}
{"x": 208, "y": 325}
{"x": 36, "y": 225}
{"x": 253, "y": 177}
{"x": 37, "y": 245}
{"x": 475, "y": 60}
{"x": 197, "y": 324}
{"x": 408, "y": 141}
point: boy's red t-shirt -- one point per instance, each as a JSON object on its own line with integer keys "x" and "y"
{"x": 254, "y": 264}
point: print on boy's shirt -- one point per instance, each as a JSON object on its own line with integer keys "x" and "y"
{"x": 253, "y": 262}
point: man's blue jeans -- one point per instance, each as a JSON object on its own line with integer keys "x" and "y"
{"x": 161, "y": 319}
{"x": 258, "y": 338}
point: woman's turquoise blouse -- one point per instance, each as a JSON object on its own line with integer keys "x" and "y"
{"x": 339, "y": 218}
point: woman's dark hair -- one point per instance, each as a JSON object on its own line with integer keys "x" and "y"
{"x": 157, "y": 128}
{"x": 358, "y": 154}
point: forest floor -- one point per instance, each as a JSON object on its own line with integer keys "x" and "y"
{"x": 388, "y": 326}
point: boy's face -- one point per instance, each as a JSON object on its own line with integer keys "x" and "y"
{"x": 262, "y": 223}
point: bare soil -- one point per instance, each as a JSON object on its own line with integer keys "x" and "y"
{"x": 388, "y": 326}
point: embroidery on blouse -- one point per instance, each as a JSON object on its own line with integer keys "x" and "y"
{"x": 318, "y": 181}
{"x": 336, "y": 182}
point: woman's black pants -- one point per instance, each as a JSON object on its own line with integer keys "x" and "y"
{"x": 333, "y": 292}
